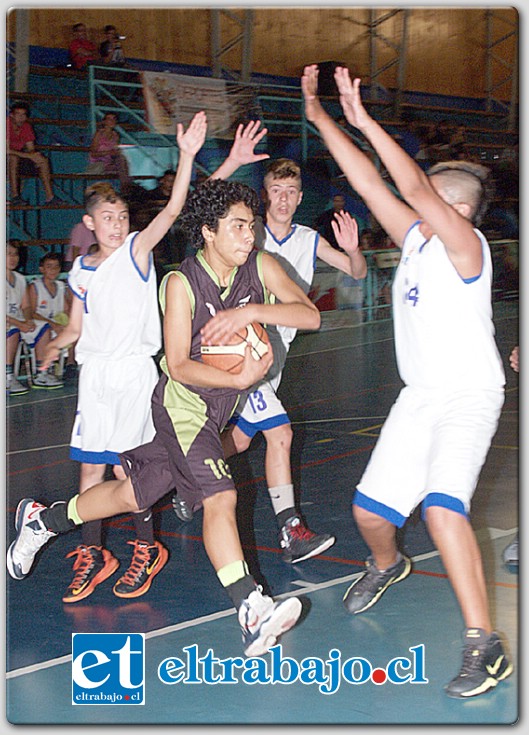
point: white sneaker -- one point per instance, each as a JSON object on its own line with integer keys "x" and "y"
{"x": 32, "y": 534}
{"x": 262, "y": 621}
{"x": 14, "y": 387}
{"x": 46, "y": 380}
{"x": 510, "y": 553}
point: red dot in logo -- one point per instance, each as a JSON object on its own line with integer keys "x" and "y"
{"x": 378, "y": 676}
{"x": 127, "y": 696}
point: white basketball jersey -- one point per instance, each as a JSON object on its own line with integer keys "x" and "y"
{"x": 46, "y": 304}
{"x": 121, "y": 317}
{"x": 14, "y": 295}
{"x": 297, "y": 254}
{"x": 444, "y": 334}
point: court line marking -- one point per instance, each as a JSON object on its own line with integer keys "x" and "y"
{"x": 494, "y": 533}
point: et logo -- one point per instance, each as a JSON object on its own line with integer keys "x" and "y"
{"x": 108, "y": 668}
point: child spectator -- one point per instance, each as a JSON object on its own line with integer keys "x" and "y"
{"x": 22, "y": 156}
{"x": 17, "y": 315}
{"x": 49, "y": 298}
{"x": 21, "y": 324}
{"x": 115, "y": 321}
{"x": 81, "y": 50}
{"x": 110, "y": 50}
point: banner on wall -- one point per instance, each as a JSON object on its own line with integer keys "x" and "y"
{"x": 173, "y": 98}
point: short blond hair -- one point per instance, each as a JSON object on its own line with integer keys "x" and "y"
{"x": 282, "y": 168}
{"x": 100, "y": 192}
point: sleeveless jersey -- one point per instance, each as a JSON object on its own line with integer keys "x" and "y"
{"x": 296, "y": 253}
{"x": 444, "y": 334}
{"x": 121, "y": 316}
{"x": 46, "y": 304}
{"x": 207, "y": 297}
{"x": 14, "y": 295}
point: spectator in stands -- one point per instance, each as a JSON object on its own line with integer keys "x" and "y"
{"x": 81, "y": 51}
{"x": 81, "y": 238}
{"x": 22, "y": 155}
{"x": 323, "y": 223}
{"x": 51, "y": 301}
{"x": 110, "y": 50}
{"x": 21, "y": 325}
{"x": 367, "y": 240}
{"x": 105, "y": 157}
{"x": 458, "y": 142}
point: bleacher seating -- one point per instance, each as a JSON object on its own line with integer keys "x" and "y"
{"x": 61, "y": 115}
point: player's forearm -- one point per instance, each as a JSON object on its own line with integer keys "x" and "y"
{"x": 226, "y": 169}
{"x": 297, "y": 314}
{"x": 359, "y": 170}
{"x": 406, "y": 174}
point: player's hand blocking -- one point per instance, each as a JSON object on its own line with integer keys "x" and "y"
{"x": 345, "y": 230}
{"x": 192, "y": 140}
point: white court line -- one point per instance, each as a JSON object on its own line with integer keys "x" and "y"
{"x": 36, "y": 449}
{"x": 495, "y": 533}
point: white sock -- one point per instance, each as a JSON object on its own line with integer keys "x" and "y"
{"x": 282, "y": 497}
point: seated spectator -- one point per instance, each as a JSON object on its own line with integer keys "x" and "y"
{"x": 21, "y": 325}
{"x": 81, "y": 50}
{"x": 105, "y": 157}
{"x": 81, "y": 238}
{"x": 367, "y": 240}
{"x": 110, "y": 50}
{"x": 22, "y": 155}
{"x": 323, "y": 223}
{"x": 50, "y": 300}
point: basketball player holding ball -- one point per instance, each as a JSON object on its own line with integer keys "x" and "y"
{"x": 215, "y": 294}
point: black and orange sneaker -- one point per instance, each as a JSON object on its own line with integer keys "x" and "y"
{"x": 92, "y": 566}
{"x": 146, "y": 562}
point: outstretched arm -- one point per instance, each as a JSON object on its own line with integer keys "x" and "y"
{"x": 394, "y": 216}
{"x": 449, "y": 222}
{"x": 189, "y": 143}
{"x": 247, "y": 138}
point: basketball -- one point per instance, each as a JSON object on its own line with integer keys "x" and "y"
{"x": 230, "y": 356}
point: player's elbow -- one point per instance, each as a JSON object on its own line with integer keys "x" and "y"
{"x": 314, "y": 318}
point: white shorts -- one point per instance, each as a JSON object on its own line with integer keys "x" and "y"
{"x": 261, "y": 410}
{"x": 431, "y": 449}
{"x": 113, "y": 408}
{"x": 31, "y": 338}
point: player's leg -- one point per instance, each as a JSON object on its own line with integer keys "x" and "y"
{"x": 13, "y": 386}
{"x": 149, "y": 556}
{"x": 261, "y": 619}
{"x": 40, "y": 340}
{"x": 92, "y": 564}
{"x": 466, "y": 425}
{"x": 36, "y": 523}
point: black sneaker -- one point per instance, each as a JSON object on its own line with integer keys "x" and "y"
{"x": 181, "y": 509}
{"x": 146, "y": 562}
{"x": 368, "y": 588}
{"x": 300, "y": 543}
{"x": 484, "y": 665}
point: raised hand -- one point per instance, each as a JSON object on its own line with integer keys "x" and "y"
{"x": 247, "y": 137}
{"x": 192, "y": 140}
{"x": 345, "y": 230}
{"x": 350, "y": 98}
{"x": 309, "y": 87}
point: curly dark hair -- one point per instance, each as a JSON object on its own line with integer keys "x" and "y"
{"x": 211, "y": 202}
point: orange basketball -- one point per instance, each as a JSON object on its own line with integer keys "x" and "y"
{"x": 230, "y": 356}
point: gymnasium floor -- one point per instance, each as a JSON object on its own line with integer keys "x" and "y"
{"x": 338, "y": 387}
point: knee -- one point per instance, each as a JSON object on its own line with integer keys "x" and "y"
{"x": 280, "y": 438}
{"x": 223, "y": 503}
{"x": 365, "y": 519}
